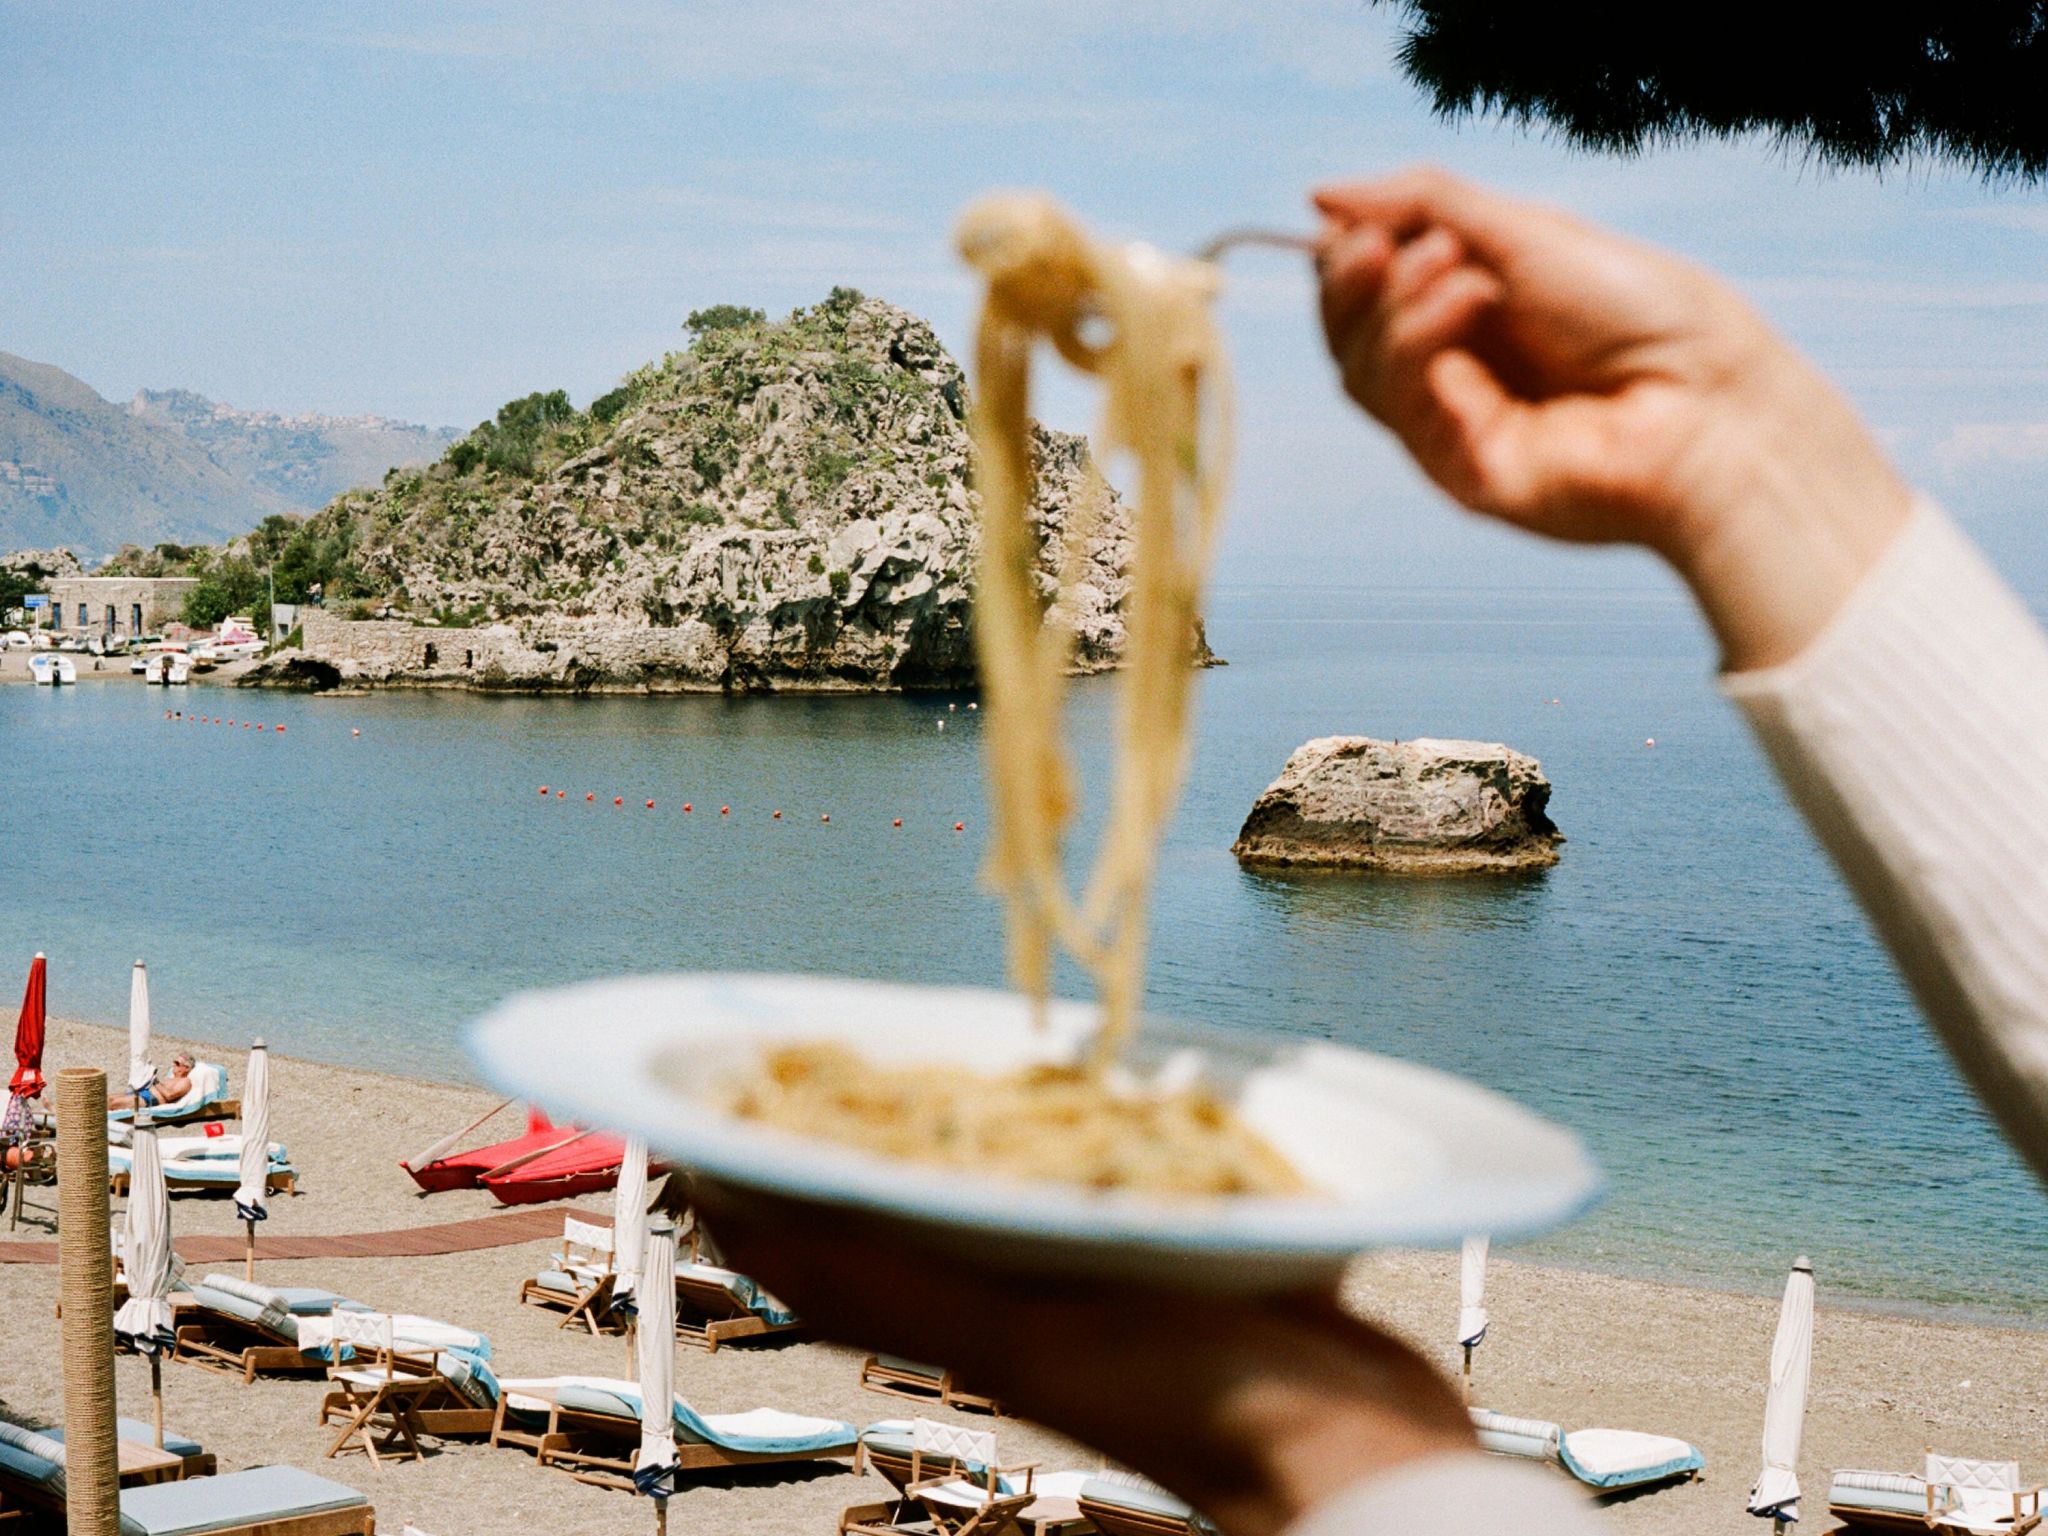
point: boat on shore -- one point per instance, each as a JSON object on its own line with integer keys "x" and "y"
{"x": 165, "y": 665}
{"x": 51, "y": 669}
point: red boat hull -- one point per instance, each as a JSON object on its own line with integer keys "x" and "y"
{"x": 582, "y": 1168}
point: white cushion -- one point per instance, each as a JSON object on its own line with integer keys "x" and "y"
{"x": 1605, "y": 1452}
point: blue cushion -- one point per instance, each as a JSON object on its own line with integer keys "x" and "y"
{"x": 25, "y": 1466}
{"x": 234, "y": 1498}
{"x": 1689, "y": 1461}
{"x": 1153, "y": 1501}
{"x": 310, "y": 1301}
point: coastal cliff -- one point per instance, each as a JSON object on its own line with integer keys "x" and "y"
{"x": 1410, "y": 807}
{"x": 785, "y": 505}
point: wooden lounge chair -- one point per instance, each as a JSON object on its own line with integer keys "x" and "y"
{"x": 1981, "y": 1498}
{"x": 227, "y": 1325}
{"x": 716, "y": 1306}
{"x": 1878, "y": 1501}
{"x": 589, "y": 1427}
{"x": 953, "y": 1487}
{"x": 1125, "y": 1504}
{"x": 922, "y": 1383}
{"x": 579, "y": 1280}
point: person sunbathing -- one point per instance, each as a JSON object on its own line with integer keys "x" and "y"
{"x": 165, "y": 1088}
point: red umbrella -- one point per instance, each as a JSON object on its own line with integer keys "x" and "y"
{"x": 28, "y": 1034}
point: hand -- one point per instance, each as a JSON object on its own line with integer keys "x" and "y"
{"x": 1252, "y": 1408}
{"x": 1577, "y": 384}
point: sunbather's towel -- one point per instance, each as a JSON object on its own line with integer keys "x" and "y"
{"x": 1626, "y": 1458}
{"x": 765, "y": 1431}
{"x": 470, "y": 1375}
{"x": 231, "y": 1499}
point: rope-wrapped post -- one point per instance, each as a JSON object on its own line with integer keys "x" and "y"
{"x": 85, "y": 1259}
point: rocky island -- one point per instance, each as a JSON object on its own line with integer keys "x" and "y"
{"x": 1411, "y": 807}
{"x": 783, "y": 505}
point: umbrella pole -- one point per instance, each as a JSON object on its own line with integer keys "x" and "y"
{"x": 661, "y": 1517}
{"x": 249, "y": 1253}
{"x": 156, "y": 1394}
{"x": 1468, "y": 1380}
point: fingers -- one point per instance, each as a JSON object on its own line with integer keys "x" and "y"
{"x": 1410, "y": 201}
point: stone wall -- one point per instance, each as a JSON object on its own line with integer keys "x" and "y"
{"x": 83, "y": 602}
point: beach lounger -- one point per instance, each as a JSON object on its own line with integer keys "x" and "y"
{"x": 206, "y": 1099}
{"x": 1125, "y": 1504}
{"x": 939, "y": 1496}
{"x": 589, "y": 1427}
{"x": 1609, "y": 1461}
{"x": 242, "y": 1329}
{"x": 716, "y": 1306}
{"x": 32, "y": 1467}
{"x": 925, "y": 1383}
{"x": 194, "y": 1459}
{"x": 202, "y": 1164}
{"x": 578, "y": 1279}
{"x": 1878, "y": 1501}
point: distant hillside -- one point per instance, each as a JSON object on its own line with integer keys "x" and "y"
{"x": 83, "y": 473}
{"x": 309, "y": 460}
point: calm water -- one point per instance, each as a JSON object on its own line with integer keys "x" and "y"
{"x": 1689, "y": 988}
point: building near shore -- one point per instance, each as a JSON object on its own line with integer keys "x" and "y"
{"x": 124, "y": 606}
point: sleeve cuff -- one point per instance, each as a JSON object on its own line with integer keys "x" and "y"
{"x": 1467, "y": 1494}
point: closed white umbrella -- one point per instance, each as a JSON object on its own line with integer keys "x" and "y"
{"x": 629, "y": 1221}
{"x": 654, "y": 1468}
{"x": 252, "y": 1195}
{"x": 139, "y": 1069}
{"x": 143, "y": 1321}
{"x": 1776, "y": 1494}
{"x": 1471, "y": 1302}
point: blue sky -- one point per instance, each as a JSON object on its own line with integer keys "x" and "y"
{"x": 422, "y": 209}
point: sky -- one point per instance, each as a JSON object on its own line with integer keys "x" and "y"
{"x": 421, "y": 210}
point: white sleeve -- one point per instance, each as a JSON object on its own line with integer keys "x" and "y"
{"x": 1913, "y": 735}
{"x": 1467, "y": 1494}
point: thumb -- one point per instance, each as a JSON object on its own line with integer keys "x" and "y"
{"x": 1483, "y": 447}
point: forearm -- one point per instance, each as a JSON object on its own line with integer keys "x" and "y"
{"x": 1913, "y": 735}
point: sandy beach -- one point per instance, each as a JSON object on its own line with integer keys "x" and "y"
{"x": 1577, "y": 1348}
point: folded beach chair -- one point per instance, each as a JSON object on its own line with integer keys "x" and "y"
{"x": 589, "y": 1427}
{"x": 1609, "y": 1461}
{"x": 1125, "y": 1504}
{"x": 264, "y": 1501}
{"x": 939, "y": 1496}
{"x": 206, "y": 1099}
{"x": 715, "y": 1306}
{"x": 578, "y": 1279}
{"x": 1980, "y": 1497}
{"x": 232, "y": 1325}
{"x": 403, "y": 1376}
{"x": 927, "y": 1383}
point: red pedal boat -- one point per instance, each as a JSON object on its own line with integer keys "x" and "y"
{"x": 548, "y": 1162}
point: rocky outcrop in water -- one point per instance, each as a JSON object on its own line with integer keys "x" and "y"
{"x": 1414, "y": 807}
{"x": 784, "y": 505}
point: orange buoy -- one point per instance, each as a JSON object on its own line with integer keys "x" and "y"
{"x": 355, "y": 733}
{"x": 590, "y": 797}
{"x": 543, "y": 789}
{"x": 280, "y": 729}
{"x": 686, "y": 807}
{"x": 650, "y": 805}
{"x": 1649, "y": 741}
{"x": 231, "y": 722}
{"x": 776, "y": 817}
{"x": 959, "y": 826}
{"x": 618, "y": 799}
{"x": 897, "y": 822}
{"x": 561, "y": 794}
{"x": 824, "y": 818}
{"x": 725, "y": 810}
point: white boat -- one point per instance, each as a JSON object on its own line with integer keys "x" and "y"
{"x": 236, "y": 640}
{"x": 165, "y": 664}
{"x": 50, "y": 669}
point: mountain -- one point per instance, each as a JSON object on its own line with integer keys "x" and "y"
{"x": 308, "y": 460}
{"x": 81, "y": 472}
{"x": 783, "y": 505}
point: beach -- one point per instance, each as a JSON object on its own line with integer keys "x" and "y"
{"x": 1582, "y": 1349}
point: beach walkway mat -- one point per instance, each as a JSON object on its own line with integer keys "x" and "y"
{"x": 525, "y": 1225}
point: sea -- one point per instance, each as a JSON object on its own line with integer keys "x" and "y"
{"x": 1690, "y": 988}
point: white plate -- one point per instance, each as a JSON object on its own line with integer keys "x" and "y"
{"x": 1402, "y": 1155}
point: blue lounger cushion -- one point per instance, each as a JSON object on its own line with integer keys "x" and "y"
{"x": 931, "y": 1373}
{"x": 234, "y": 1498}
{"x": 1129, "y": 1491}
{"x": 310, "y": 1301}
{"x": 1614, "y": 1459}
{"x": 23, "y": 1465}
{"x": 558, "y": 1280}
{"x": 1531, "y": 1439}
{"x": 1890, "y": 1493}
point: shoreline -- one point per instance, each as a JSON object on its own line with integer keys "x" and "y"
{"x": 1575, "y": 1347}
{"x": 1902, "y": 1309}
